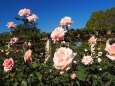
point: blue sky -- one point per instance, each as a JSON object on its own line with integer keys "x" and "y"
{"x": 50, "y": 12}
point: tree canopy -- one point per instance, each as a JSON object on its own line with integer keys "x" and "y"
{"x": 102, "y": 20}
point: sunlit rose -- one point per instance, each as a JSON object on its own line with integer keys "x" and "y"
{"x": 24, "y": 12}
{"x": 87, "y": 60}
{"x": 27, "y": 55}
{"x": 32, "y": 18}
{"x": 92, "y": 40}
{"x": 8, "y": 64}
{"x": 11, "y": 25}
{"x": 66, "y": 21}
{"x": 13, "y": 40}
{"x": 111, "y": 51}
{"x": 63, "y": 58}
{"x": 73, "y": 76}
{"x": 58, "y": 34}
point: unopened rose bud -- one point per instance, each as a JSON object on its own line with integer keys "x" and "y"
{"x": 73, "y": 76}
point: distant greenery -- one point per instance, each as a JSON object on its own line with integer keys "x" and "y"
{"x": 102, "y": 20}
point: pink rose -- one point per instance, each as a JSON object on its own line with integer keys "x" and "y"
{"x": 11, "y": 25}
{"x": 13, "y": 40}
{"x": 92, "y": 40}
{"x": 24, "y": 12}
{"x": 111, "y": 51}
{"x": 32, "y": 18}
{"x": 63, "y": 58}
{"x": 58, "y": 34}
{"x": 8, "y": 64}
{"x": 87, "y": 60}
{"x": 66, "y": 21}
{"x": 73, "y": 76}
{"x": 27, "y": 55}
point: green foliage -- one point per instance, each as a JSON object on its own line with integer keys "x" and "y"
{"x": 81, "y": 75}
{"x": 102, "y": 20}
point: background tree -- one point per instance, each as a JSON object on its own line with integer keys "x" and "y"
{"x": 102, "y": 20}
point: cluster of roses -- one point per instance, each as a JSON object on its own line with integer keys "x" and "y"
{"x": 8, "y": 63}
{"x": 64, "y": 57}
{"x": 59, "y": 32}
{"x": 90, "y": 58}
{"x": 27, "y": 14}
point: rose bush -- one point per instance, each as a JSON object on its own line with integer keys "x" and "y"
{"x": 23, "y": 61}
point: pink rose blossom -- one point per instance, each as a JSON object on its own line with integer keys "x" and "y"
{"x": 13, "y": 40}
{"x": 73, "y": 76}
{"x": 87, "y": 60}
{"x": 92, "y": 40}
{"x": 63, "y": 58}
{"x": 58, "y": 34}
{"x": 11, "y": 25}
{"x": 27, "y": 55}
{"x": 111, "y": 51}
{"x": 8, "y": 64}
{"x": 66, "y": 21}
{"x": 32, "y": 18}
{"x": 24, "y": 12}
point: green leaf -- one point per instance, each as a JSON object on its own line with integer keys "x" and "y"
{"x": 12, "y": 74}
{"x": 15, "y": 84}
{"x": 81, "y": 75}
{"x": 78, "y": 83}
{"x": 24, "y": 83}
{"x": 34, "y": 65}
{"x": 39, "y": 76}
{"x": 95, "y": 80}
